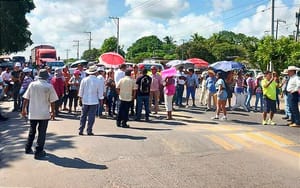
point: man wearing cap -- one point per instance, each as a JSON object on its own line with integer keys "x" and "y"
{"x": 293, "y": 95}
{"x": 91, "y": 95}
{"x": 41, "y": 96}
{"x": 126, "y": 90}
{"x": 16, "y": 78}
{"x": 154, "y": 89}
{"x": 284, "y": 94}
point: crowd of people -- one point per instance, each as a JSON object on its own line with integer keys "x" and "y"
{"x": 127, "y": 91}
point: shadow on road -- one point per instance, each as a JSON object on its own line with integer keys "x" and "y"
{"x": 149, "y": 129}
{"x": 123, "y": 136}
{"x": 73, "y": 163}
{"x": 245, "y": 122}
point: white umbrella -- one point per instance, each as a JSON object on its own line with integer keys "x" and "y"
{"x": 177, "y": 63}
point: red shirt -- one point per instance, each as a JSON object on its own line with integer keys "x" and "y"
{"x": 58, "y": 85}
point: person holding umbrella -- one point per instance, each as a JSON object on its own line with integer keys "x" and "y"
{"x": 169, "y": 91}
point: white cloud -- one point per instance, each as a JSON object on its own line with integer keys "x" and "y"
{"x": 220, "y": 6}
{"x": 260, "y": 23}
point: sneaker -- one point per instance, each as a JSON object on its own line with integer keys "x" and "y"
{"x": 264, "y": 122}
{"x": 224, "y": 118}
{"x": 270, "y": 122}
{"x": 215, "y": 118}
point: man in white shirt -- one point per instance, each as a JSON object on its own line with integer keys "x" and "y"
{"x": 119, "y": 74}
{"x": 102, "y": 79}
{"x": 42, "y": 96}
{"x": 293, "y": 95}
{"x": 91, "y": 95}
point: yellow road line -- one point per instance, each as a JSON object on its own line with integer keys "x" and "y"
{"x": 278, "y": 138}
{"x": 238, "y": 139}
{"x": 272, "y": 144}
{"x": 219, "y": 141}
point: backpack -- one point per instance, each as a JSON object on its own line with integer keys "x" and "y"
{"x": 145, "y": 85}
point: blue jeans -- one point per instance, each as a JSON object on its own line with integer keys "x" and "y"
{"x": 287, "y": 107}
{"x": 249, "y": 96}
{"x": 293, "y": 103}
{"x": 139, "y": 102}
{"x": 190, "y": 91}
{"x": 88, "y": 111}
{"x": 179, "y": 94}
{"x": 111, "y": 103}
{"x": 259, "y": 98}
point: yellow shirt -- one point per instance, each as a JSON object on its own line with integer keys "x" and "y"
{"x": 269, "y": 91}
{"x": 126, "y": 86}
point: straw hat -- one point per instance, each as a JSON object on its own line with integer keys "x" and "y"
{"x": 92, "y": 69}
{"x": 292, "y": 68}
{"x": 285, "y": 72}
{"x": 211, "y": 72}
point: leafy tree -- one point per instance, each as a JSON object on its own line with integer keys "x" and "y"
{"x": 145, "y": 47}
{"x": 109, "y": 45}
{"x": 226, "y": 51}
{"x": 282, "y": 52}
{"x": 14, "y": 35}
{"x": 200, "y": 50}
{"x": 197, "y": 38}
{"x": 91, "y": 55}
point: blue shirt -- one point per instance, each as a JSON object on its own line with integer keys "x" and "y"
{"x": 210, "y": 84}
{"x": 192, "y": 80}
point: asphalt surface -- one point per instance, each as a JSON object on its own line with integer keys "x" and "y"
{"x": 189, "y": 151}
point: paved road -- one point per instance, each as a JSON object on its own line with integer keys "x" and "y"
{"x": 190, "y": 151}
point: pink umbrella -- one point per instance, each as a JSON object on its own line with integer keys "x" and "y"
{"x": 198, "y": 62}
{"x": 111, "y": 59}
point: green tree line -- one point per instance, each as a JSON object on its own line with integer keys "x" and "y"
{"x": 224, "y": 45}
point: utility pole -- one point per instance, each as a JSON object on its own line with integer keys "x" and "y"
{"x": 77, "y": 45}
{"x": 67, "y": 54}
{"x": 277, "y": 21}
{"x": 118, "y": 30}
{"x": 297, "y": 24}
{"x": 90, "y": 39}
{"x": 272, "y": 23}
{"x": 182, "y": 49}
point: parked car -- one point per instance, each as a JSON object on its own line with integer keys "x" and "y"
{"x": 148, "y": 63}
{"x": 5, "y": 61}
{"x": 75, "y": 64}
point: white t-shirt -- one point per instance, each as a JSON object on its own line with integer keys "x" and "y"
{"x": 40, "y": 95}
{"x": 119, "y": 74}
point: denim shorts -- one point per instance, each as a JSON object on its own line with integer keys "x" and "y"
{"x": 222, "y": 95}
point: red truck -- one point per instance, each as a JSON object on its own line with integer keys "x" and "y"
{"x": 42, "y": 54}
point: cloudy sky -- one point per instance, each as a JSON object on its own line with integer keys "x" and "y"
{"x": 60, "y": 22}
